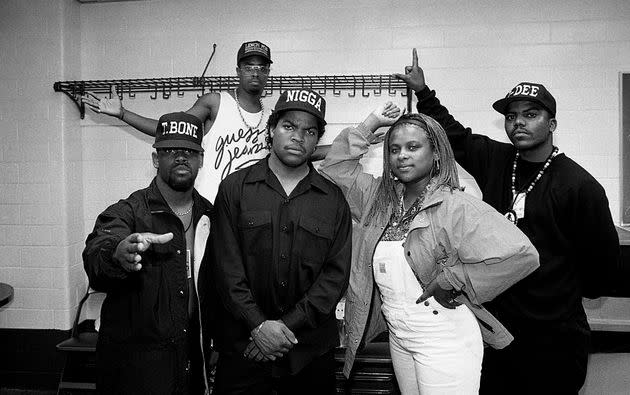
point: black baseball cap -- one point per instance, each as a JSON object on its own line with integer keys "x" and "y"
{"x": 179, "y": 130}
{"x": 253, "y": 48}
{"x": 528, "y": 91}
{"x": 302, "y": 100}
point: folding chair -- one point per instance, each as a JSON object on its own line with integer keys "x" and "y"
{"x": 79, "y": 371}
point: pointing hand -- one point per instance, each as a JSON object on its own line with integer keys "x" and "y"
{"x": 128, "y": 250}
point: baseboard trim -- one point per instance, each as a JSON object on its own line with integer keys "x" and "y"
{"x": 30, "y": 359}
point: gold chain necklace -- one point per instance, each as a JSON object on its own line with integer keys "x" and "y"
{"x": 181, "y": 214}
{"x": 238, "y": 106}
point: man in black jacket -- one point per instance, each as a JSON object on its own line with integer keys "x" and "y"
{"x": 282, "y": 245}
{"x": 144, "y": 252}
{"x": 564, "y": 211}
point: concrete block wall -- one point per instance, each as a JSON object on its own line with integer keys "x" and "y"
{"x": 472, "y": 53}
{"x": 41, "y": 181}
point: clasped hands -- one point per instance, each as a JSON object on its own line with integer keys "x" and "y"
{"x": 269, "y": 341}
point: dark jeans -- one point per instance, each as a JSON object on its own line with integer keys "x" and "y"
{"x": 237, "y": 375}
{"x": 537, "y": 362}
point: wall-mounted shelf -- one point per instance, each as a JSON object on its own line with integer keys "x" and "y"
{"x": 361, "y": 85}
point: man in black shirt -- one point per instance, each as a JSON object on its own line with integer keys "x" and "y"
{"x": 145, "y": 252}
{"x": 282, "y": 245}
{"x": 564, "y": 211}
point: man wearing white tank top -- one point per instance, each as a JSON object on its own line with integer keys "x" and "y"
{"x": 234, "y": 121}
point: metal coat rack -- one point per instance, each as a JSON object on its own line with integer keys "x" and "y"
{"x": 354, "y": 85}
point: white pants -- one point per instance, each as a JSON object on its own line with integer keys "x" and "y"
{"x": 434, "y": 350}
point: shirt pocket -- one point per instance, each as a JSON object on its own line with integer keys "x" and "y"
{"x": 256, "y": 232}
{"x": 312, "y": 242}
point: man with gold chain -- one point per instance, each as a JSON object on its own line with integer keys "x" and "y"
{"x": 563, "y": 210}
{"x": 145, "y": 252}
{"x": 234, "y": 121}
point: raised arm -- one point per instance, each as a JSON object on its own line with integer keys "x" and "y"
{"x": 429, "y": 104}
{"x": 473, "y": 152}
{"x": 205, "y": 108}
{"x": 342, "y": 163}
{"x": 114, "y": 108}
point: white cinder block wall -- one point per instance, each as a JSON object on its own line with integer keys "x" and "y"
{"x": 58, "y": 172}
{"x": 41, "y": 181}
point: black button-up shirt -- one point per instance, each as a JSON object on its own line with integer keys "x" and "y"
{"x": 281, "y": 257}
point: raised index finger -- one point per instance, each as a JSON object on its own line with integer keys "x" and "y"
{"x": 414, "y": 58}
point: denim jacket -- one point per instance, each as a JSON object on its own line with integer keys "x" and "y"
{"x": 455, "y": 237}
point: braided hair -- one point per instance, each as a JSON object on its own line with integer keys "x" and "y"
{"x": 443, "y": 172}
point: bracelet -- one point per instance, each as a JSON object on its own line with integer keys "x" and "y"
{"x": 122, "y": 115}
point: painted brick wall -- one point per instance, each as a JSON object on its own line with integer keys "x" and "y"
{"x": 41, "y": 181}
{"x": 472, "y": 53}
{"x": 57, "y": 173}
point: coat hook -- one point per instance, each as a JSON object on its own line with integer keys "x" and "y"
{"x": 363, "y": 93}
{"x": 130, "y": 93}
{"x": 336, "y": 92}
{"x": 354, "y": 88}
{"x": 323, "y": 91}
{"x": 154, "y": 95}
{"x": 180, "y": 93}
{"x": 269, "y": 88}
{"x": 202, "y": 83}
{"x": 166, "y": 94}
{"x": 390, "y": 91}
{"x": 377, "y": 92}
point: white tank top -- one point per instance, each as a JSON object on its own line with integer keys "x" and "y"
{"x": 230, "y": 145}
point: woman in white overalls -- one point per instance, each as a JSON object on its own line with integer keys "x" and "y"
{"x": 432, "y": 253}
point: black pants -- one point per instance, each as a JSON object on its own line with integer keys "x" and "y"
{"x": 131, "y": 369}
{"x": 237, "y": 375}
{"x": 537, "y": 362}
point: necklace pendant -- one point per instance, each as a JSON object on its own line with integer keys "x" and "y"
{"x": 511, "y": 216}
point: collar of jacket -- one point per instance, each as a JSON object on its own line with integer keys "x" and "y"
{"x": 435, "y": 197}
{"x": 260, "y": 171}
{"x": 157, "y": 204}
